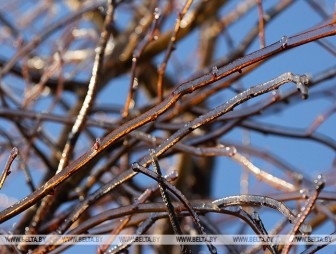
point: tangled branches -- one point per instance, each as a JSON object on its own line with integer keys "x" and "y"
{"x": 111, "y": 94}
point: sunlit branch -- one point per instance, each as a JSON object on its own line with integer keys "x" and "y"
{"x": 268, "y": 178}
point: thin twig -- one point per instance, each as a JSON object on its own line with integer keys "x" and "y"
{"x": 304, "y": 213}
{"x": 166, "y": 199}
{"x": 261, "y": 24}
{"x": 320, "y": 120}
{"x": 140, "y": 230}
{"x": 316, "y": 247}
{"x": 268, "y": 178}
{"x": 260, "y": 225}
{"x": 289, "y": 132}
{"x": 6, "y": 170}
{"x": 141, "y": 199}
{"x": 135, "y": 59}
{"x": 171, "y": 47}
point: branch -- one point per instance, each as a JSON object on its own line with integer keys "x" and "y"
{"x": 153, "y": 113}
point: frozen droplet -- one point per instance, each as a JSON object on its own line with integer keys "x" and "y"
{"x": 304, "y": 79}
{"x": 132, "y": 104}
{"x": 135, "y": 83}
{"x": 231, "y": 150}
{"x": 97, "y": 143}
{"x": 283, "y": 41}
{"x": 14, "y": 151}
{"x": 151, "y": 152}
{"x": 157, "y": 13}
{"x": 188, "y": 126}
{"x": 303, "y": 89}
{"x": 304, "y": 193}
{"x": 304, "y": 96}
{"x": 266, "y": 17}
{"x": 153, "y": 138}
{"x": 214, "y": 71}
{"x": 255, "y": 215}
{"x": 320, "y": 182}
